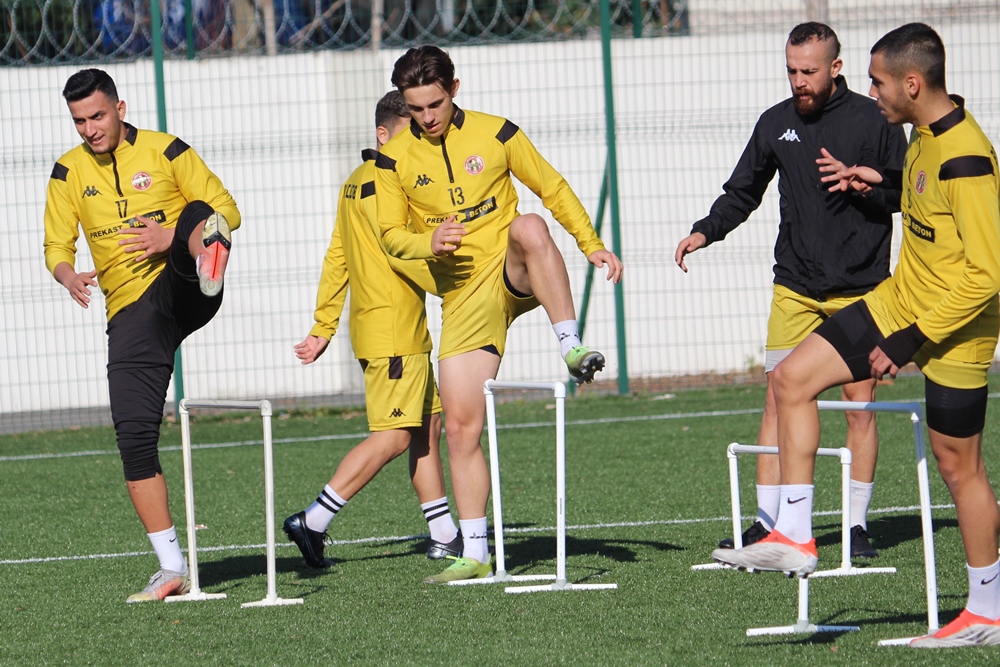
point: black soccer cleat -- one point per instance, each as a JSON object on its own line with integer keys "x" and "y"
{"x": 861, "y": 546}
{"x": 309, "y": 542}
{"x": 439, "y": 550}
{"x": 751, "y": 535}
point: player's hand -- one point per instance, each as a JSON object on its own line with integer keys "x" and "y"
{"x": 687, "y": 246}
{"x": 311, "y": 349}
{"x": 843, "y": 178}
{"x": 447, "y": 237}
{"x": 79, "y": 284}
{"x": 881, "y": 364}
{"x": 152, "y": 239}
{"x": 602, "y": 258}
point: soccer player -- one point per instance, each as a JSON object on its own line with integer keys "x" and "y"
{"x": 158, "y": 225}
{"x": 939, "y": 308}
{"x": 445, "y": 194}
{"x": 831, "y": 247}
{"x": 388, "y": 326}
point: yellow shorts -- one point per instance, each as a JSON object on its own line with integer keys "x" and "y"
{"x": 480, "y": 314}
{"x": 793, "y": 317}
{"x": 399, "y": 391}
{"x": 961, "y": 361}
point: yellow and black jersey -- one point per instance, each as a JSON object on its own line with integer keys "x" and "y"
{"x": 151, "y": 174}
{"x": 387, "y": 315}
{"x": 421, "y": 181}
{"x": 948, "y": 273}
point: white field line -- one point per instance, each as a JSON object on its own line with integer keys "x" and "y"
{"x": 409, "y": 538}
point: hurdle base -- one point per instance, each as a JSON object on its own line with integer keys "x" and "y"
{"x": 502, "y": 577}
{"x": 904, "y": 641}
{"x": 560, "y": 586}
{"x": 194, "y": 596}
{"x": 802, "y": 627}
{"x": 708, "y": 566}
{"x": 273, "y": 602}
{"x": 838, "y": 572}
{"x": 851, "y": 572}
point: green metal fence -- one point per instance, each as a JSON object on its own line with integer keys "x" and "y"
{"x": 52, "y": 31}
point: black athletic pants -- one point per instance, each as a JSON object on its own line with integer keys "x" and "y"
{"x": 142, "y": 340}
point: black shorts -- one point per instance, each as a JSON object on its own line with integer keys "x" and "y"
{"x": 142, "y": 340}
{"x": 853, "y": 334}
{"x": 959, "y": 413}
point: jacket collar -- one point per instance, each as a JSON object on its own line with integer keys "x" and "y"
{"x": 951, "y": 119}
{"x": 368, "y": 154}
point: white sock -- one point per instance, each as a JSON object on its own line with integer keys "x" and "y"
{"x": 568, "y": 334}
{"x": 168, "y": 550}
{"x": 861, "y": 497}
{"x": 984, "y": 590}
{"x": 321, "y": 512}
{"x": 768, "y": 500}
{"x": 474, "y": 539}
{"x": 439, "y": 520}
{"x": 795, "y": 513}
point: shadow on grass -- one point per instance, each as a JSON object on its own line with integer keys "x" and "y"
{"x": 520, "y": 548}
{"x": 886, "y": 532}
{"x": 233, "y": 572}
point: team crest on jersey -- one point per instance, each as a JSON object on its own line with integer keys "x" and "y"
{"x": 474, "y": 165}
{"x": 921, "y": 183}
{"x": 142, "y": 181}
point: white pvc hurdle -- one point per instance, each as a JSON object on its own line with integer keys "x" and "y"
{"x": 196, "y": 594}
{"x": 501, "y": 575}
{"x": 802, "y": 624}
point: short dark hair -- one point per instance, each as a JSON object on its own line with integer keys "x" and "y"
{"x": 86, "y": 82}
{"x": 423, "y": 66}
{"x": 914, "y": 46}
{"x": 811, "y": 30}
{"x": 390, "y": 109}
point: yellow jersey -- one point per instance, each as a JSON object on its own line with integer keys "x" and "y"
{"x": 948, "y": 274}
{"x": 421, "y": 181}
{"x": 387, "y": 314}
{"x": 151, "y": 174}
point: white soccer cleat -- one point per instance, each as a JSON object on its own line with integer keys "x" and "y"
{"x": 161, "y": 585}
{"x": 967, "y": 630}
{"x": 774, "y": 553}
{"x": 211, "y": 263}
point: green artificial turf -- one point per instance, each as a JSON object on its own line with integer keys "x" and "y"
{"x": 648, "y": 497}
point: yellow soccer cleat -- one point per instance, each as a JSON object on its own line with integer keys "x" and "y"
{"x": 460, "y": 569}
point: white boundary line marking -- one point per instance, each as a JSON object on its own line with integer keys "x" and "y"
{"x": 408, "y": 538}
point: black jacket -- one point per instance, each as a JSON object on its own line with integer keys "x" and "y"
{"x": 828, "y": 243}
